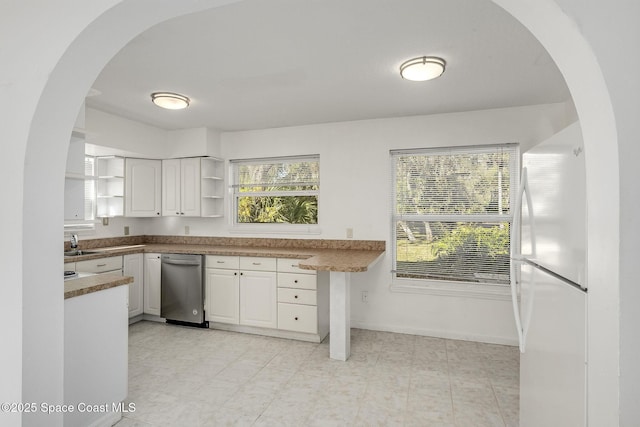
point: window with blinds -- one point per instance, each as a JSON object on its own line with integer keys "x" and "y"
{"x": 280, "y": 190}
{"x": 452, "y": 213}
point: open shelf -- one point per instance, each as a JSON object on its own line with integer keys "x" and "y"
{"x": 110, "y": 186}
{"x": 212, "y": 187}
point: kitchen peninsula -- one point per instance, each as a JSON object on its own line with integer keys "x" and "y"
{"x": 335, "y": 258}
{"x": 95, "y": 347}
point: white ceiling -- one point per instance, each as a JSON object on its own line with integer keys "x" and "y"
{"x": 272, "y": 63}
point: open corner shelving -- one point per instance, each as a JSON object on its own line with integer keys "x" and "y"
{"x": 212, "y": 187}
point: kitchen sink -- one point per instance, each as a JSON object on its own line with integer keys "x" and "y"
{"x": 76, "y": 252}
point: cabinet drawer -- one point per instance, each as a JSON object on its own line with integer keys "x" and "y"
{"x": 294, "y": 280}
{"x": 99, "y": 265}
{"x": 297, "y": 296}
{"x": 290, "y": 265}
{"x": 296, "y": 317}
{"x": 257, "y": 263}
{"x": 220, "y": 261}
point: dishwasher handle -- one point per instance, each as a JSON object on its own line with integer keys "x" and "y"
{"x": 181, "y": 262}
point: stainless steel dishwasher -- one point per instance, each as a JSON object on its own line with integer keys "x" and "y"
{"x": 182, "y": 289}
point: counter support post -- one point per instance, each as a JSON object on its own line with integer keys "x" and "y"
{"x": 340, "y": 315}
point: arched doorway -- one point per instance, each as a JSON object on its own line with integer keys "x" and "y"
{"x": 86, "y": 56}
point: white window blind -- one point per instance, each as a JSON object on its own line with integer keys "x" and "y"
{"x": 452, "y": 212}
{"x": 276, "y": 190}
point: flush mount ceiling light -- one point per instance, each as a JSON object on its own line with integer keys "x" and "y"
{"x": 422, "y": 68}
{"x": 170, "y": 100}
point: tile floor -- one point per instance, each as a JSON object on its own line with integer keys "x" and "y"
{"x": 191, "y": 377}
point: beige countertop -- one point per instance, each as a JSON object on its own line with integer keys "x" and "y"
{"x": 337, "y": 256}
{"x": 94, "y": 283}
{"x": 340, "y": 260}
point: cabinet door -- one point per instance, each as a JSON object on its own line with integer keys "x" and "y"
{"x": 74, "y": 199}
{"x": 143, "y": 187}
{"x": 152, "y": 269}
{"x": 133, "y": 267}
{"x": 74, "y": 186}
{"x": 222, "y": 296}
{"x": 258, "y": 299}
{"x": 190, "y": 187}
{"x": 171, "y": 187}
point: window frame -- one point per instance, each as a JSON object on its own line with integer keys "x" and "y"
{"x": 268, "y": 228}
{"x": 450, "y": 287}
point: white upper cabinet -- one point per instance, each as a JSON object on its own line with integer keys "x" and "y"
{"x": 143, "y": 184}
{"x": 76, "y": 179}
{"x": 171, "y": 187}
{"x": 181, "y": 187}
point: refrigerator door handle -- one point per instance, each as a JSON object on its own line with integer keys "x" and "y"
{"x": 516, "y": 255}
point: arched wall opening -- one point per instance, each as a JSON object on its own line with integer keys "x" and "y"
{"x": 42, "y": 350}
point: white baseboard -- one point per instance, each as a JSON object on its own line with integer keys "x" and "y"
{"x": 107, "y": 420}
{"x": 453, "y": 335}
{"x": 277, "y": 333}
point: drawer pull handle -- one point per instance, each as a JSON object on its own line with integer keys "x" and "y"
{"x": 220, "y": 262}
{"x": 295, "y": 281}
{"x": 295, "y": 318}
{"x": 294, "y": 265}
{"x": 295, "y": 296}
{"x": 235, "y": 274}
{"x": 101, "y": 265}
{"x": 257, "y": 263}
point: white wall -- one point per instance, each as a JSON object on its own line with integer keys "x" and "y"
{"x": 124, "y": 136}
{"x": 47, "y": 87}
{"x": 186, "y": 142}
{"x": 51, "y": 53}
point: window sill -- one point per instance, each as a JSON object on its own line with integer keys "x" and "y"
{"x": 466, "y": 290}
{"x": 276, "y": 229}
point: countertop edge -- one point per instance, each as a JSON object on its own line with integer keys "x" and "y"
{"x": 99, "y": 282}
{"x": 337, "y": 260}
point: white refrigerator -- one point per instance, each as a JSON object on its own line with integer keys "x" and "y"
{"x": 549, "y": 284}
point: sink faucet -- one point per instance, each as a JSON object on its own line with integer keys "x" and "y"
{"x": 74, "y": 241}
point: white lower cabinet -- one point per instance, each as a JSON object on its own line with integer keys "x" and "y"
{"x": 133, "y": 266}
{"x": 267, "y": 295}
{"x": 241, "y": 291}
{"x": 298, "y": 317}
{"x": 303, "y": 299}
{"x": 152, "y": 271}
{"x": 222, "y": 296}
{"x": 258, "y": 297}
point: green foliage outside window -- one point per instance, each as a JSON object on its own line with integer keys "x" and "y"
{"x": 275, "y": 191}
{"x": 285, "y": 209}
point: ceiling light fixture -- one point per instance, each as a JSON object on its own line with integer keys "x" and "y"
{"x": 170, "y": 100}
{"x": 422, "y": 68}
